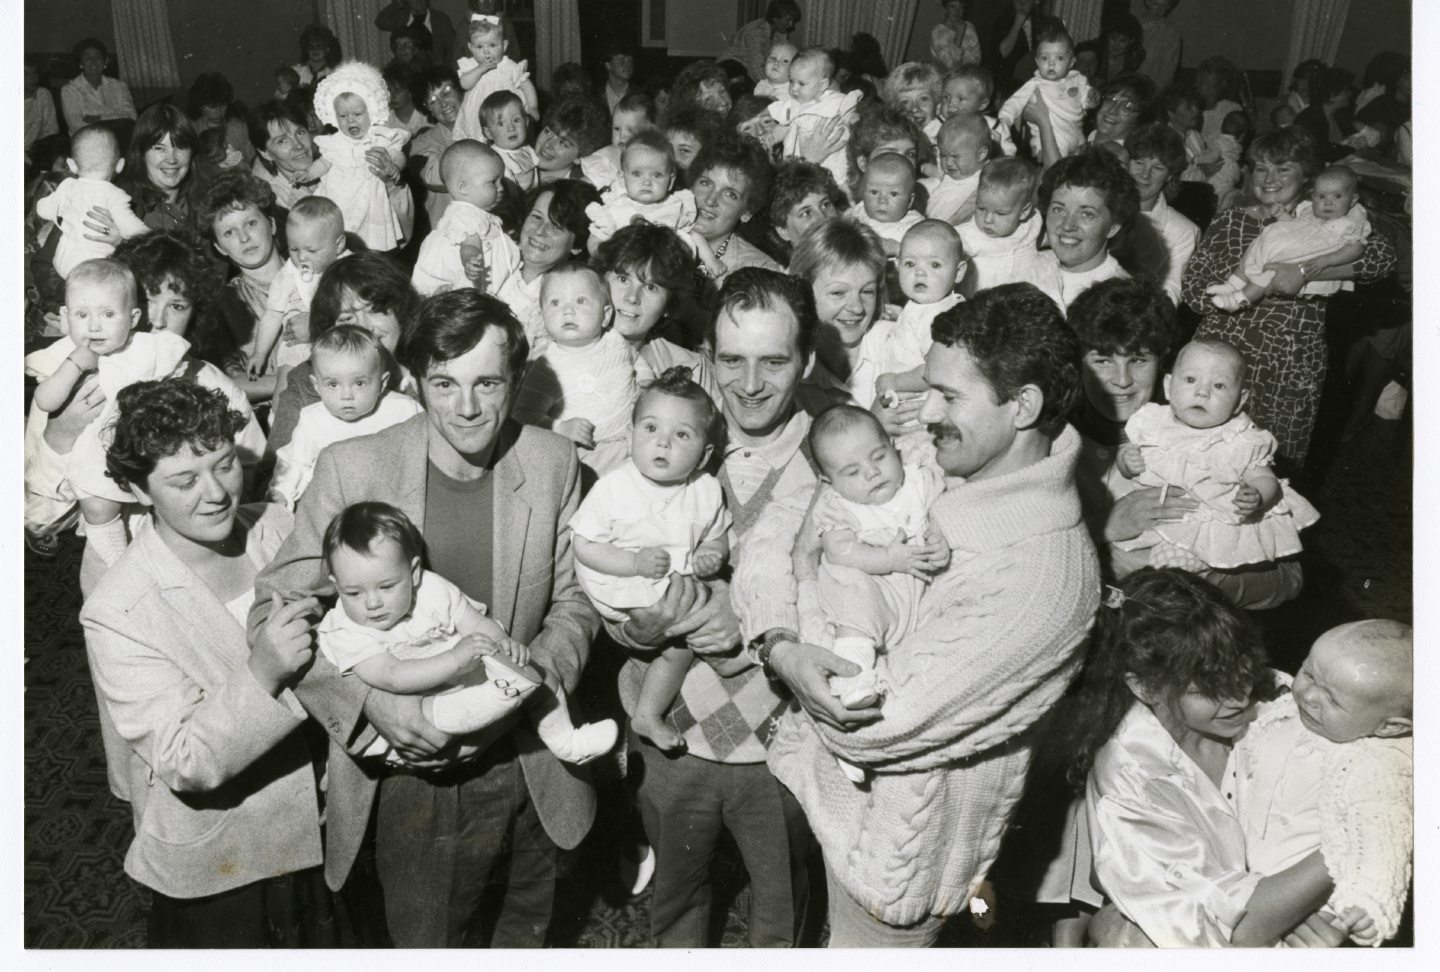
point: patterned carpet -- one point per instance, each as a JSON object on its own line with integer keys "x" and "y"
{"x": 1357, "y": 562}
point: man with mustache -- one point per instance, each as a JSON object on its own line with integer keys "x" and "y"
{"x": 998, "y": 637}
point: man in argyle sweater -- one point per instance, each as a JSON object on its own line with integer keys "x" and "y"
{"x": 764, "y": 337}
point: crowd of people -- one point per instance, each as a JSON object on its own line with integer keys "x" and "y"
{"x": 922, "y": 437}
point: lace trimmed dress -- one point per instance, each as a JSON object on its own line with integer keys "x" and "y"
{"x": 361, "y": 195}
{"x": 1208, "y": 464}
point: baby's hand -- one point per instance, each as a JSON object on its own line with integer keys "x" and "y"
{"x": 1130, "y": 460}
{"x": 84, "y": 358}
{"x": 1359, "y": 925}
{"x": 1247, "y": 500}
{"x": 935, "y": 552}
{"x": 468, "y": 651}
{"x": 652, "y": 562}
{"x": 707, "y": 563}
{"x": 297, "y": 328}
{"x": 580, "y": 431}
{"x": 907, "y": 559}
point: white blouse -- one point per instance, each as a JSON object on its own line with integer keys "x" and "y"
{"x": 1168, "y": 846}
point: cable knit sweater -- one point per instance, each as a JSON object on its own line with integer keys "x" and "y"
{"x": 997, "y": 642}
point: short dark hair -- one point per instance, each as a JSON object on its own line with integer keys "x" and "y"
{"x": 90, "y": 44}
{"x": 1099, "y": 170}
{"x": 209, "y": 88}
{"x": 156, "y": 419}
{"x": 407, "y": 77}
{"x": 1053, "y": 32}
{"x": 287, "y": 73}
{"x": 568, "y": 200}
{"x": 1122, "y": 316}
{"x": 580, "y": 120}
{"x": 1158, "y": 141}
{"x": 1179, "y": 94}
{"x": 678, "y": 383}
{"x": 637, "y": 101}
{"x": 782, "y": 8}
{"x": 571, "y": 76}
{"x": 795, "y": 179}
{"x": 451, "y": 324}
{"x": 163, "y": 257}
{"x": 419, "y": 36}
{"x": 231, "y": 190}
{"x": 258, "y": 121}
{"x": 1226, "y": 74}
{"x": 839, "y": 418}
{"x": 496, "y": 101}
{"x": 360, "y": 524}
{"x": 655, "y": 252}
{"x": 729, "y": 150}
{"x": 755, "y": 288}
{"x": 1016, "y": 336}
{"x": 375, "y": 278}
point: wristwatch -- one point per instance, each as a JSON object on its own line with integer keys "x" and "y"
{"x": 761, "y": 647}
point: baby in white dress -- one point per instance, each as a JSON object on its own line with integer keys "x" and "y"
{"x": 878, "y": 547}
{"x": 887, "y": 195}
{"x": 1329, "y": 767}
{"x": 1065, "y": 91}
{"x": 930, "y": 264}
{"x": 315, "y": 233}
{"x": 95, "y": 159}
{"x": 658, "y": 514}
{"x": 776, "y": 83}
{"x": 1329, "y": 230}
{"x": 468, "y": 248}
{"x": 1000, "y": 239}
{"x": 99, "y": 318}
{"x": 1205, "y": 444}
{"x": 647, "y": 171}
{"x": 350, "y": 376}
{"x": 486, "y": 71}
{"x": 405, "y": 630}
{"x": 583, "y": 385}
{"x": 355, "y": 99}
{"x": 964, "y": 144}
{"x": 813, "y": 101}
{"x": 633, "y": 114}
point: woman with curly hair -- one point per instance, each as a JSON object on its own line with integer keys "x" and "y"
{"x": 1171, "y": 682}
{"x": 701, "y": 84}
{"x": 569, "y": 131}
{"x": 553, "y": 229}
{"x": 208, "y": 733}
{"x": 319, "y": 54}
{"x": 1089, "y": 204}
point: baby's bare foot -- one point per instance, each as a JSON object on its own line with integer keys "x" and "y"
{"x": 658, "y": 733}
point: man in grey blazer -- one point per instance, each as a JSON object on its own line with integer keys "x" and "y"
{"x": 493, "y": 500}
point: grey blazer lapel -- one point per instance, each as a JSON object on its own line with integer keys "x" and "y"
{"x": 512, "y": 525}
{"x": 207, "y": 623}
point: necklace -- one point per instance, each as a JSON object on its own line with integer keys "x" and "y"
{"x": 719, "y": 251}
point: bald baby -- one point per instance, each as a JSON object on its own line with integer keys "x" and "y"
{"x": 1358, "y": 681}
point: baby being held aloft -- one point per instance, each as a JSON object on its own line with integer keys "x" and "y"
{"x": 813, "y": 101}
{"x": 887, "y": 192}
{"x": 350, "y": 374}
{"x": 1329, "y": 230}
{"x": 95, "y": 159}
{"x": 315, "y": 234}
{"x": 878, "y": 549}
{"x": 583, "y": 385}
{"x": 658, "y": 514}
{"x": 487, "y": 70}
{"x": 1204, "y": 443}
{"x": 408, "y": 631}
{"x": 468, "y": 248}
{"x": 356, "y": 100}
{"x": 1328, "y": 768}
{"x": 1000, "y": 239}
{"x": 930, "y": 264}
{"x": 647, "y": 170}
{"x": 1065, "y": 92}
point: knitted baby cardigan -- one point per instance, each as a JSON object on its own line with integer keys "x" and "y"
{"x": 998, "y": 641}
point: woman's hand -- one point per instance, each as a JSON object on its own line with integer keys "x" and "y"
{"x": 65, "y": 426}
{"x": 823, "y": 141}
{"x": 1145, "y": 509}
{"x": 1288, "y": 279}
{"x": 382, "y": 165}
{"x": 806, "y": 670}
{"x": 1036, "y": 112}
{"x": 102, "y": 226}
{"x": 283, "y": 646}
